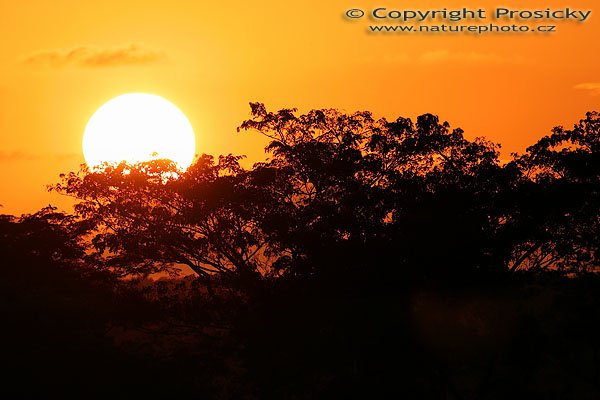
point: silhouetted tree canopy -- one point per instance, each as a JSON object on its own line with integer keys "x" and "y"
{"x": 347, "y": 192}
{"x": 365, "y": 258}
{"x": 555, "y": 211}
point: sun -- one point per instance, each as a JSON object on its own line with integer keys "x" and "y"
{"x": 136, "y": 127}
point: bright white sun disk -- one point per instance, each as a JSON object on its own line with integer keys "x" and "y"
{"x": 137, "y": 127}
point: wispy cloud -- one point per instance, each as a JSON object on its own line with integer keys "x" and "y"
{"x": 445, "y": 56}
{"x": 18, "y": 155}
{"x": 471, "y": 57}
{"x": 88, "y": 56}
{"x": 22, "y": 156}
{"x": 593, "y": 88}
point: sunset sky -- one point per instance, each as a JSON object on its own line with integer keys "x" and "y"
{"x": 62, "y": 59}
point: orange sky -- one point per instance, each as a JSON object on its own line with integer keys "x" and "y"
{"x": 61, "y": 60}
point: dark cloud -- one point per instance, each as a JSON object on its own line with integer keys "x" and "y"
{"x": 86, "y": 56}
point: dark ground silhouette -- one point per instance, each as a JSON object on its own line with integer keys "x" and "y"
{"x": 364, "y": 259}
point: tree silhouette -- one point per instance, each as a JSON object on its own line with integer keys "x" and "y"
{"x": 555, "y": 210}
{"x": 145, "y": 218}
{"x": 349, "y": 185}
{"x": 348, "y": 191}
{"x": 365, "y": 258}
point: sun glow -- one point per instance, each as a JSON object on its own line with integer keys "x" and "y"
{"x": 137, "y": 127}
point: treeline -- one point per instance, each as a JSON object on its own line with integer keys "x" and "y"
{"x": 364, "y": 258}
